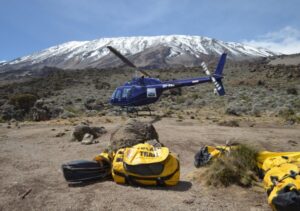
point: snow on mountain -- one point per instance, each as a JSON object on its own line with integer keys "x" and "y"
{"x": 176, "y": 49}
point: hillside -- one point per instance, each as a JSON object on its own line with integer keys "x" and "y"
{"x": 293, "y": 59}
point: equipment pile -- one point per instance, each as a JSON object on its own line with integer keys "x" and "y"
{"x": 279, "y": 171}
{"x": 142, "y": 164}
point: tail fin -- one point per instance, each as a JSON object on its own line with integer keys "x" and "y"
{"x": 221, "y": 64}
{"x": 218, "y": 76}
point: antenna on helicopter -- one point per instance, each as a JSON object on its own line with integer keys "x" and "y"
{"x": 126, "y": 61}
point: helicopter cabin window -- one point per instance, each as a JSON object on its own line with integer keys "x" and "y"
{"x": 126, "y": 93}
{"x": 118, "y": 94}
{"x": 151, "y": 92}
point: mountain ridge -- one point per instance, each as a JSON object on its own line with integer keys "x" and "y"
{"x": 146, "y": 51}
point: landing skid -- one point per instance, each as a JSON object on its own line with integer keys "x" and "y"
{"x": 135, "y": 110}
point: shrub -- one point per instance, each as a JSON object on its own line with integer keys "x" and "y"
{"x": 292, "y": 91}
{"x": 73, "y": 109}
{"x": 180, "y": 100}
{"x": 237, "y": 167}
{"x": 230, "y": 123}
{"x": 236, "y": 109}
{"x": 286, "y": 113}
{"x": 23, "y": 101}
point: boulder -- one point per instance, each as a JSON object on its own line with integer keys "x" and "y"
{"x": 45, "y": 110}
{"x": 131, "y": 133}
{"x": 82, "y": 129}
{"x": 38, "y": 114}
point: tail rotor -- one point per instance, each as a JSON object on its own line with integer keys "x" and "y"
{"x": 217, "y": 76}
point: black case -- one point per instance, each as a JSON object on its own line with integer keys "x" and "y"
{"x": 81, "y": 171}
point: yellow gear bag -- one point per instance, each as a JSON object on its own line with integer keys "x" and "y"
{"x": 104, "y": 157}
{"x": 266, "y": 160}
{"x": 281, "y": 179}
{"x": 144, "y": 165}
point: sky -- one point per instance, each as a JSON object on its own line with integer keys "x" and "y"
{"x": 29, "y": 26}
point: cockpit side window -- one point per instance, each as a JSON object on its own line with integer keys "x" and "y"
{"x": 126, "y": 93}
{"x": 118, "y": 94}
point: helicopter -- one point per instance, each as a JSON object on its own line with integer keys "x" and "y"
{"x": 142, "y": 91}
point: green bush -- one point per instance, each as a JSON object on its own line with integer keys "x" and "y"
{"x": 180, "y": 100}
{"x": 23, "y": 101}
{"x": 237, "y": 167}
{"x": 292, "y": 91}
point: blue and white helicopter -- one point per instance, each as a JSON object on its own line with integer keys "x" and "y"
{"x": 142, "y": 91}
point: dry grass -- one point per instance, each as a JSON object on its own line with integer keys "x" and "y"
{"x": 237, "y": 167}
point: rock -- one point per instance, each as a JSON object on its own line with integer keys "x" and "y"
{"x": 60, "y": 134}
{"x": 189, "y": 201}
{"x": 88, "y": 139}
{"x": 292, "y": 142}
{"x": 154, "y": 142}
{"x": 131, "y": 133}
{"x": 93, "y": 104}
{"x": 38, "y": 114}
{"x": 45, "y": 110}
{"x": 82, "y": 129}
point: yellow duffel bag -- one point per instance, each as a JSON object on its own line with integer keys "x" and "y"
{"x": 144, "y": 164}
{"x": 283, "y": 187}
{"x": 267, "y": 160}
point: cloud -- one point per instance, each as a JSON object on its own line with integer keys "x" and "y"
{"x": 286, "y": 41}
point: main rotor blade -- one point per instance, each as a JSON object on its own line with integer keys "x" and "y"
{"x": 125, "y": 60}
{"x": 120, "y": 56}
{"x": 145, "y": 73}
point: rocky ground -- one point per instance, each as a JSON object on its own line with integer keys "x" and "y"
{"x": 37, "y": 115}
{"x": 32, "y": 153}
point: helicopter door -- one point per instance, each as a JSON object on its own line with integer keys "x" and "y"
{"x": 151, "y": 93}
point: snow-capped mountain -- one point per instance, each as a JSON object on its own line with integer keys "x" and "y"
{"x": 156, "y": 51}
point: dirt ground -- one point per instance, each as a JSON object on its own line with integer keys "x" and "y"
{"x": 31, "y": 158}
